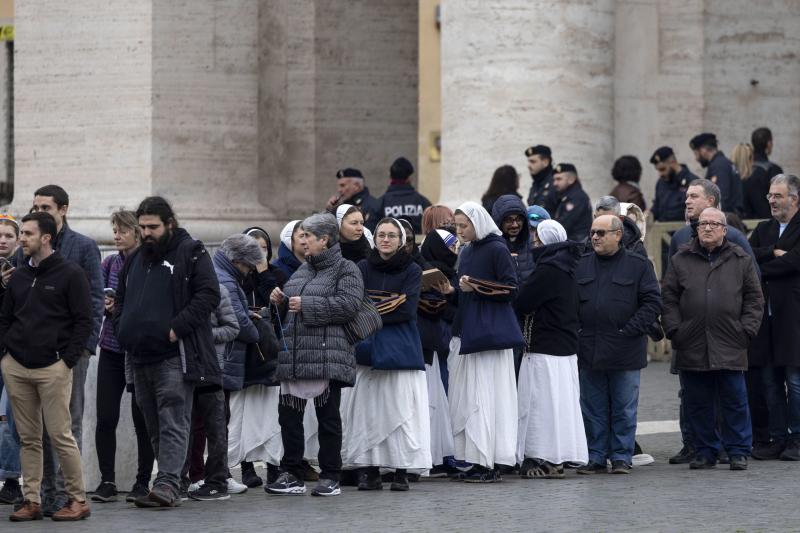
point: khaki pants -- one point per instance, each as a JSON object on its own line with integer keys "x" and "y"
{"x": 37, "y": 392}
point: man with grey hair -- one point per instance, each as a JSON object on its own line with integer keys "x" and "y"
{"x": 619, "y": 301}
{"x": 700, "y": 194}
{"x": 712, "y": 309}
{"x": 606, "y": 205}
{"x": 776, "y": 349}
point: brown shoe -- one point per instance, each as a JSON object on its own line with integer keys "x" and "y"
{"x": 27, "y": 512}
{"x": 72, "y": 511}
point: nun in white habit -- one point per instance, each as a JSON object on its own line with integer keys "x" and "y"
{"x": 483, "y": 391}
{"x": 386, "y": 411}
{"x": 551, "y": 428}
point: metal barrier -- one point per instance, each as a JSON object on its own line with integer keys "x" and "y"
{"x": 109, "y": 249}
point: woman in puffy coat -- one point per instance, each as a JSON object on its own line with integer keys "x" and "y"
{"x": 387, "y": 409}
{"x": 252, "y": 433}
{"x": 320, "y": 298}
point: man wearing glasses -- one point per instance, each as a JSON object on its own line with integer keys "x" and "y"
{"x": 776, "y": 243}
{"x": 619, "y": 300}
{"x": 712, "y": 309}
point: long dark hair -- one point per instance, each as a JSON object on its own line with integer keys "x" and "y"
{"x": 504, "y": 181}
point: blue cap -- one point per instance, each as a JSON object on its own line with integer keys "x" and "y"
{"x": 536, "y": 214}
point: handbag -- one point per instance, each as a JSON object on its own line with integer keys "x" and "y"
{"x": 367, "y": 320}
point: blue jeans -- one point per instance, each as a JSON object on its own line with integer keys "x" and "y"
{"x": 10, "y": 466}
{"x": 705, "y": 393}
{"x": 782, "y": 390}
{"x": 165, "y": 400}
{"x": 609, "y": 401}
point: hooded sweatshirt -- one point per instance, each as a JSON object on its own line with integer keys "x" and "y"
{"x": 519, "y": 246}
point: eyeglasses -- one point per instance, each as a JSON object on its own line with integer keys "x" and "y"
{"x": 390, "y": 236}
{"x": 770, "y": 196}
{"x": 514, "y": 220}
{"x": 601, "y": 232}
{"x": 712, "y": 225}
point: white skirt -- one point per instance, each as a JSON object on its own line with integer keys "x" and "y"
{"x": 550, "y": 419}
{"x": 442, "y": 444}
{"x": 254, "y": 433}
{"x": 483, "y": 405}
{"x": 387, "y": 420}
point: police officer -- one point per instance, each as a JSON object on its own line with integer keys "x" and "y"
{"x": 670, "y": 201}
{"x": 351, "y": 189}
{"x": 574, "y": 210}
{"x": 540, "y": 165}
{"x": 720, "y": 170}
{"x": 401, "y": 200}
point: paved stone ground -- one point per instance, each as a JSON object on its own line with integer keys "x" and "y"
{"x": 658, "y": 497}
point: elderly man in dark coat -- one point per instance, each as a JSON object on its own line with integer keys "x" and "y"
{"x": 712, "y": 308}
{"x": 619, "y": 300}
{"x": 776, "y": 244}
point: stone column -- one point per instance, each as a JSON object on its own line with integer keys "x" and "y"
{"x": 116, "y": 102}
{"x": 523, "y": 72}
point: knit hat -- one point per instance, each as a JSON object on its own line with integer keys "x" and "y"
{"x": 287, "y": 231}
{"x": 550, "y": 232}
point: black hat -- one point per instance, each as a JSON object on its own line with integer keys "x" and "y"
{"x": 401, "y": 169}
{"x": 539, "y": 149}
{"x": 661, "y": 155}
{"x": 704, "y": 139}
{"x": 565, "y": 167}
{"x": 349, "y": 173}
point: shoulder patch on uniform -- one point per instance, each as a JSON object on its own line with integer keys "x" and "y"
{"x": 713, "y": 179}
{"x": 569, "y": 206}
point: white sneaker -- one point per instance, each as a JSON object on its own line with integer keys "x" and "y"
{"x": 234, "y": 487}
{"x": 196, "y": 485}
{"x": 642, "y": 459}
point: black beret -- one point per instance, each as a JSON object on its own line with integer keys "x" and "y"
{"x": 349, "y": 173}
{"x": 539, "y": 149}
{"x": 565, "y": 167}
{"x": 661, "y": 155}
{"x": 401, "y": 169}
{"x": 704, "y": 139}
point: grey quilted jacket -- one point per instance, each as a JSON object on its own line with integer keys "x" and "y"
{"x": 224, "y": 325}
{"x": 331, "y": 290}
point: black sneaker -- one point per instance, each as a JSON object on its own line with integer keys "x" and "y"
{"x": 105, "y": 492}
{"x": 400, "y": 481}
{"x": 11, "y": 492}
{"x": 326, "y": 487}
{"x": 138, "y": 491}
{"x": 702, "y": 463}
{"x": 483, "y": 475}
{"x": 207, "y": 493}
{"x": 792, "y": 451}
{"x": 250, "y": 478}
{"x": 738, "y": 462}
{"x": 768, "y": 451}
{"x": 273, "y": 473}
{"x": 722, "y": 457}
{"x": 164, "y": 496}
{"x": 438, "y": 471}
{"x": 683, "y": 457}
{"x": 592, "y": 468}
{"x": 286, "y": 484}
{"x": 620, "y": 467}
{"x": 369, "y": 479}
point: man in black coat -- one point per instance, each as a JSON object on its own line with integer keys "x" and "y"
{"x": 401, "y": 200}
{"x": 673, "y": 180}
{"x": 352, "y": 189}
{"x": 719, "y": 170}
{"x": 619, "y": 300}
{"x": 776, "y": 348}
{"x": 540, "y": 164}
{"x": 574, "y": 210}
{"x": 164, "y": 327}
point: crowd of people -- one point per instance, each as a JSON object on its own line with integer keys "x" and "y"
{"x": 511, "y": 340}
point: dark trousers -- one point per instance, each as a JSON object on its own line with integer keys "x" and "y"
{"x": 782, "y": 390}
{"x": 757, "y": 400}
{"x": 110, "y": 386}
{"x": 209, "y": 409}
{"x": 707, "y": 392}
{"x": 330, "y": 436}
{"x": 165, "y": 399}
{"x": 686, "y": 430}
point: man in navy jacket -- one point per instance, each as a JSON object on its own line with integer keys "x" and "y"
{"x": 619, "y": 300}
